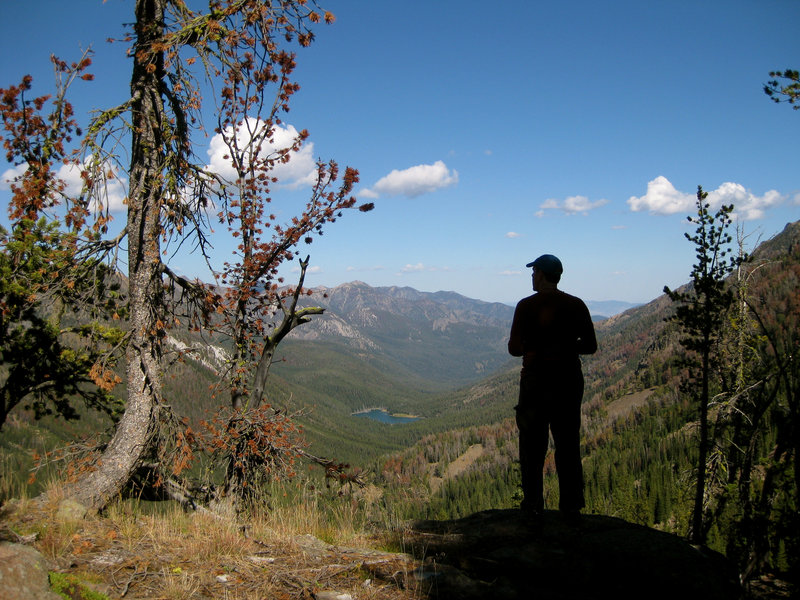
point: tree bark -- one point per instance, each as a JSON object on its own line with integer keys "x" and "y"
{"x": 698, "y": 530}
{"x": 134, "y": 433}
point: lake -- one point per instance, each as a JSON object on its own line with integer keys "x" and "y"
{"x": 378, "y": 414}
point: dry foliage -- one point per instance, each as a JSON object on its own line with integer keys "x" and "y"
{"x": 127, "y": 553}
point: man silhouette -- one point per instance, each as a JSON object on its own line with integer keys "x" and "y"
{"x": 549, "y": 331}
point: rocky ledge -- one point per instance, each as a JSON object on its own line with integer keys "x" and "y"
{"x": 503, "y": 554}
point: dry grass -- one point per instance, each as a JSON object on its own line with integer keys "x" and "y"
{"x": 135, "y": 550}
{"x": 623, "y": 406}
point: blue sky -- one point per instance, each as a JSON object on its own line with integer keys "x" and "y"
{"x": 490, "y": 133}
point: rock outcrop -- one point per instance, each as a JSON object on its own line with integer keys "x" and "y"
{"x": 503, "y": 554}
{"x": 23, "y": 574}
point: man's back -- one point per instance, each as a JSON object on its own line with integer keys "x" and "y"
{"x": 550, "y": 329}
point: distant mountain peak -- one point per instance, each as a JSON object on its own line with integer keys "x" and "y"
{"x": 432, "y": 333}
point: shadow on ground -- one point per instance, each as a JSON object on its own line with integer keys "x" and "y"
{"x": 502, "y": 554}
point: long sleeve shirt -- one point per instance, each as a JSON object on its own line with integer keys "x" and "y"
{"x": 550, "y": 329}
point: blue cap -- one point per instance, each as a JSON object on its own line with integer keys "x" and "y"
{"x": 547, "y": 264}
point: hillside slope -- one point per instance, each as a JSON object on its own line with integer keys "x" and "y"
{"x": 437, "y": 355}
{"x": 443, "y": 338}
{"x": 639, "y": 431}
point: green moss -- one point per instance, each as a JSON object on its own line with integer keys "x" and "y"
{"x": 70, "y": 587}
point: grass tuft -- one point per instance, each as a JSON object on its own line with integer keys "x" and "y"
{"x": 138, "y": 549}
{"x": 71, "y": 587}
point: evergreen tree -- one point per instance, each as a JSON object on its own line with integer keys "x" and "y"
{"x": 701, "y": 313}
{"x": 787, "y": 90}
{"x": 52, "y": 270}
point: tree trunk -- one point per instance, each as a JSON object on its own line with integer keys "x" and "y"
{"x": 698, "y": 531}
{"x": 134, "y": 434}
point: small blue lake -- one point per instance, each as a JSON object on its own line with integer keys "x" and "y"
{"x": 377, "y": 414}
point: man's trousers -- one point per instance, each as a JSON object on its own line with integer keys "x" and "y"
{"x": 551, "y": 402}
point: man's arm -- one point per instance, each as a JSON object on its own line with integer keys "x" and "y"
{"x": 515, "y": 345}
{"x": 587, "y": 340}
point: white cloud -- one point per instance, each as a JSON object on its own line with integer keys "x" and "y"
{"x": 299, "y": 171}
{"x": 510, "y": 273}
{"x": 513, "y": 234}
{"x": 414, "y": 181}
{"x": 420, "y": 268}
{"x": 112, "y": 194}
{"x": 581, "y": 204}
{"x": 367, "y": 194}
{"x": 548, "y": 204}
{"x": 413, "y": 268}
{"x": 747, "y": 205}
{"x": 571, "y": 205}
{"x": 9, "y": 175}
{"x": 314, "y": 269}
{"x": 663, "y": 199}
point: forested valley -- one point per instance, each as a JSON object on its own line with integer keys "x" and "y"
{"x": 639, "y": 427}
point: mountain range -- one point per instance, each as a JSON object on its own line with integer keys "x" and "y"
{"x": 603, "y": 309}
{"x": 439, "y": 356}
{"x": 443, "y": 337}
{"x": 442, "y": 358}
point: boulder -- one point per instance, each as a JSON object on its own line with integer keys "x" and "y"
{"x": 505, "y": 554}
{"x": 71, "y": 510}
{"x": 24, "y": 574}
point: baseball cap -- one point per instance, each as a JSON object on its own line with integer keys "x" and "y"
{"x": 547, "y": 264}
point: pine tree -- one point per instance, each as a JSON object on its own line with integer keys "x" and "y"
{"x": 701, "y": 313}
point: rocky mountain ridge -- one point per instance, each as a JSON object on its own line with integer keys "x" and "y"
{"x": 426, "y": 333}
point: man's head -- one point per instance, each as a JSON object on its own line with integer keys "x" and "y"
{"x": 549, "y": 266}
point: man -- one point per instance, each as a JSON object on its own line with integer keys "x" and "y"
{"x": 550, "y": 330}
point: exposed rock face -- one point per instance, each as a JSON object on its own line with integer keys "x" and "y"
{"x": 23, "y": 574}
{"x": 429, "y": 334}
{"x": 502, "y": 554}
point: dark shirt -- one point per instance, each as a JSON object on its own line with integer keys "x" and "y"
{"x": 549, "y": 331}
